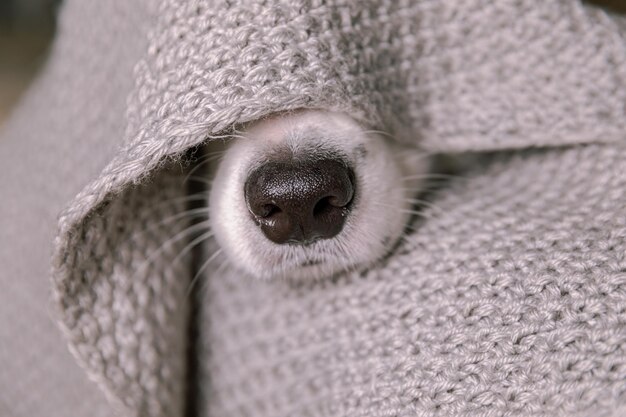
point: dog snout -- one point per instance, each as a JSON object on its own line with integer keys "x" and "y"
{"x": 299, "y": 202}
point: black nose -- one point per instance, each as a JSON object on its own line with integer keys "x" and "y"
{"x": 300, "y": 202}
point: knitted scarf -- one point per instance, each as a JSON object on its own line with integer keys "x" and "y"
{"x": 508, "y": 298}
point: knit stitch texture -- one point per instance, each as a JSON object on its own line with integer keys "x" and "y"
{"x": 509, "y": 300}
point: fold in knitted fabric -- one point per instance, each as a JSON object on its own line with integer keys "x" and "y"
{"x": 512, "y": 302}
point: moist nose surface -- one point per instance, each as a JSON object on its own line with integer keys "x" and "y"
{"x": 300, "y": 202}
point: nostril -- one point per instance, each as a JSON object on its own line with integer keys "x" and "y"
{"x": 321, "y": 206}
{"x": 325, "y": 205}
{"x": 269, "y": 210}
{"x": 300, "y": 201}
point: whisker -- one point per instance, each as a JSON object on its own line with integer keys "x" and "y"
{"x": 203, "y": 161}
{"x": 200, "y": 179}
{"x": 344, "y": 265}
{"x": 217, "y": 273}
{"x": 170, "y": 201}
{"x": 199, "y": 273}
{"x": 284, "y": 271}
{"x": 210, "y": 154}
{"x": 192, "y": 244}
{"x": 401, "y": 210}
{"x": 187, "y": 214}
{"x": 421, "y": 190}
{"x": 425, "y": 203}
{"x": 180, "y": 235}
{"x": 415, "y": 212}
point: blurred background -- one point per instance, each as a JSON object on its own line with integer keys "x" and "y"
{"x": 27, "y": 27}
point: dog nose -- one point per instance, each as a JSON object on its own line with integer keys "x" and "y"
{"x": 302, "y": 201}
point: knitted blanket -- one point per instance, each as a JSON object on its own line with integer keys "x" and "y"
{"x": 508, "y": 298}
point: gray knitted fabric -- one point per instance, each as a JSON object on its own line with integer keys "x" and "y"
{"x": 62, "y": 135}
{"x": 510, "y": 300}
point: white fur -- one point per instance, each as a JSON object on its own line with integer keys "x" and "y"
{"x": 379, "y": 212}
